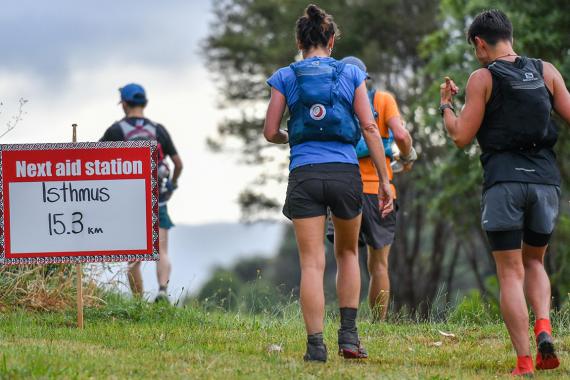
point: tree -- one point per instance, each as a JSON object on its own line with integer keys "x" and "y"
{"x": 250, "y": 39}
{"x": 439, "y": 233}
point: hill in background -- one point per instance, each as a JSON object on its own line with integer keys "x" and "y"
{"x": 196, "y": 250}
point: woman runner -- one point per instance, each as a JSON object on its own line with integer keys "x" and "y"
{"x": 323, "y": 96}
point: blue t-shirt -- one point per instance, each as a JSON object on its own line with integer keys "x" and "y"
{"x": 319, "y": 152}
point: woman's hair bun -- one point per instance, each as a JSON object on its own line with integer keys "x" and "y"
{"x": 315, "y": 14}
{"x": 315, "y": 28}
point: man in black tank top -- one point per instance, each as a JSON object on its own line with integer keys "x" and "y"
{"x": 508, "y": 106}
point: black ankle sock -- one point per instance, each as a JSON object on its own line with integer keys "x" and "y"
{"x": 162, "y": 288}
{"x": 315, "y": 339}
{"x": 348, "y": 318}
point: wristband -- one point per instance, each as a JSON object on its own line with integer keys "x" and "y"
{"x": 443, "y": 107}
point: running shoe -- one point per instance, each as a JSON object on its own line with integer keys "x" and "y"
{"x": 316, "y": 353}
{"x": 524, "y": 367}
{"x": 518, "y": 373}
{"x": 349, "y": 345}
{"x": 161, "y": 297}
{"x": 546, "y": 356}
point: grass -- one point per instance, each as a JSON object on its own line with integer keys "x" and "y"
{"x": 47, "y": 287}
{"x": 127, "y": 339}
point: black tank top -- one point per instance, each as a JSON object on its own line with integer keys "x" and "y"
{"x": 517, "y": 135}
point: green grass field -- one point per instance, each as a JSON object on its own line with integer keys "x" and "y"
{"x": 137, "y": 340}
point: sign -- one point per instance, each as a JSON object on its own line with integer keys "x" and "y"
{"x": 78, "y": 202}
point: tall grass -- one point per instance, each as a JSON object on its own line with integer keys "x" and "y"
{"x": 258, "y": 298}
{"x": 46, "y": 288}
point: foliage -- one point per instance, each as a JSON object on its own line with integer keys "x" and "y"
{"x": 472, "y": 309}
{"x": 242, "y": 287}
{"x": 221, "y": 290}
{"x": 250, "y": 39}
{"x": 440, "y": 247}
{"x": 15, "y": 119}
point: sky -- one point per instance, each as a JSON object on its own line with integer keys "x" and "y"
{"x": 68, "y": 59}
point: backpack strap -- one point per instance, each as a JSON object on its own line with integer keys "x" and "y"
{"x": 130, "y": 130}
{"x": 339, "y": 66}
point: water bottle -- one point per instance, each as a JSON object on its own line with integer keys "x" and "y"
{"x": 397, "y": 167}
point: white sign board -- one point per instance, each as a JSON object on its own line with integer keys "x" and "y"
{"x": 87, "y": 202}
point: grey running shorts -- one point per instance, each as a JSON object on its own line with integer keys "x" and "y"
{"x": 527, "y": 209}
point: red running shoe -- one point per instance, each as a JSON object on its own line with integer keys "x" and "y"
{"x": 517, "y": 372}
{"x": 349, "y": 345}
{"x": 546, "y": 356}
{"x": 524, "y": 367}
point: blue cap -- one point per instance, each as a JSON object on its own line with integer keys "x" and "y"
{"x": 356, "y": 62}
{"x": 133, "y": 93}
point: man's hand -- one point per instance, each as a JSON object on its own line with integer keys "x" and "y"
{"x": 464, "y": 127}
{"x": 170, "y": 187}
{"x": 447, "y": 91}
{"x": 385, "y": 199}
{"x": 408, "y": 161}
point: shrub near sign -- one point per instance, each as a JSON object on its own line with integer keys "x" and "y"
{"x": 86, "y": 202}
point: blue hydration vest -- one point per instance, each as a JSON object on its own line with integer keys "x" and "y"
{"x": 321, "y": 113}
{"x": 362, "y": 148}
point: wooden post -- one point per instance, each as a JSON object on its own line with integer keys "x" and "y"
{"x": 78, "y": 267}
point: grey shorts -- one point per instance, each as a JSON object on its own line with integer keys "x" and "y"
{"x": 375, "y": 231}
{"x": 510, "y": 206}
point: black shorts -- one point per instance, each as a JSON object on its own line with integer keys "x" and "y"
{"x": 512, "y": 212}
{"x": 375, "y": 231}
{"x": 313, "y": 189}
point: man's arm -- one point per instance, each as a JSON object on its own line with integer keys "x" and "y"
{"x": 463, "y": 128}
{"x": 559, "y": 91}
{"x": 177, "y": 161}
{"x": 404, "y": 142}
{"x": 394, "y": 122}
{"x": 169, "y": 150}
{"x": 402, "y": 137}
{"x": 371, "y": 135}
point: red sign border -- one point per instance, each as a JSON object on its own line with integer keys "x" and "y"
{"x": 84, "y": 256}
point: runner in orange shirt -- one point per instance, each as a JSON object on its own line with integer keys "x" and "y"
{"x": 377, "y": 232}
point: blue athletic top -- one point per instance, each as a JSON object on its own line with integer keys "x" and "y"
{"x": 319, "y": 152}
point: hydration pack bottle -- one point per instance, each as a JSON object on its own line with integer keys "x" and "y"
{"x": 321, "y": 114}
{"x": 362, "y": 148}
{"x": 518, "y": 116}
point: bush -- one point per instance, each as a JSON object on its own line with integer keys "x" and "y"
{"x": 474, "y": 310}
{"x": 221, "y": 290}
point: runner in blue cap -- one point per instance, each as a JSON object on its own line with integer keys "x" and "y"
{"x": 135, "y": 126}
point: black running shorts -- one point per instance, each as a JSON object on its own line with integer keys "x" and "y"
{"x": 375, "y": 231}
{"x": 312, "y": 189}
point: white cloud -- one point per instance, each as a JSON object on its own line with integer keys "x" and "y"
{"x": 94, "y": 48}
